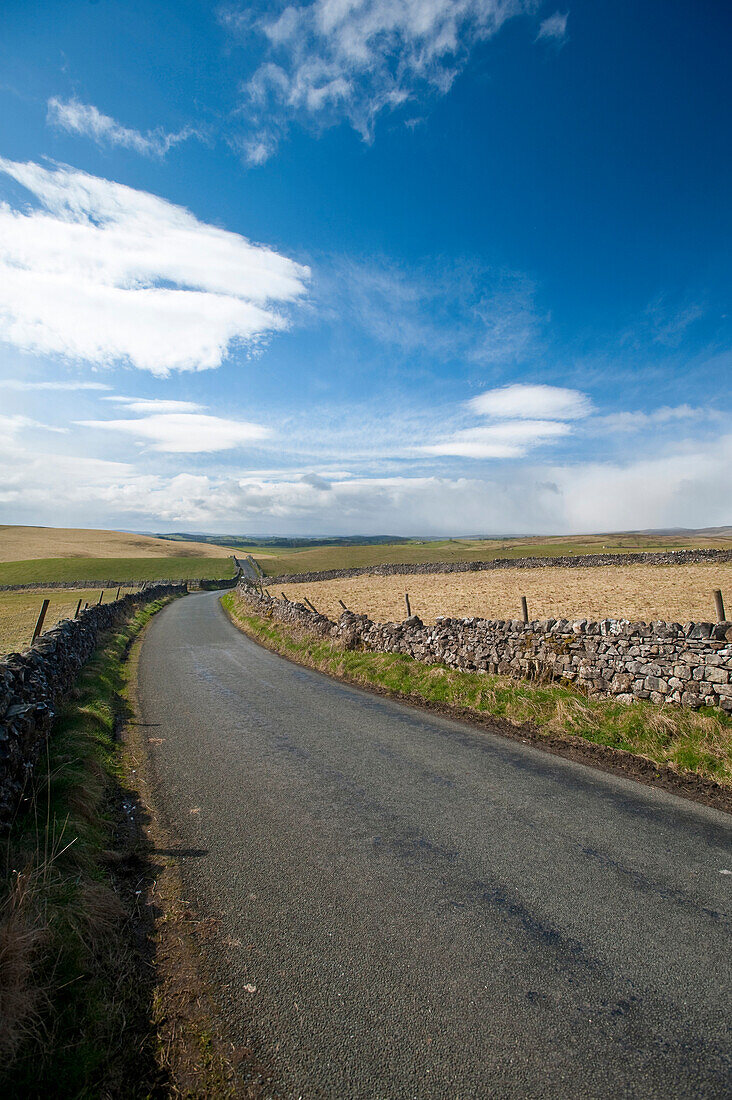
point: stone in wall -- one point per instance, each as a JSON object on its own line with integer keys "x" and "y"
{"x": 32, "y": 683}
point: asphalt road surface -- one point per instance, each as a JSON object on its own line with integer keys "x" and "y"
{"x": 406, "y": 907}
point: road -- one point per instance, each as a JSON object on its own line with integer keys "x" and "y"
{"x": 410, "y": 908}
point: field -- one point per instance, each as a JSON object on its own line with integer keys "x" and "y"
{"x": 46, "y": 570}
{"x": 23, "y": 543}
{"x": 675, "y": 593}
{"x": 274, "y": 561}
{"x": 19, "y": 612}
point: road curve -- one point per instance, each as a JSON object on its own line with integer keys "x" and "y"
{"x": 407, "y": 908}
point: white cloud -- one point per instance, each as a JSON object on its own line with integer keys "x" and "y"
{"x": 183, "y": 432}
{"x": 353, "y": 59}
{"x": 521, "y": 417}
{"x": 637, "y": 421}
{"x": 510, "y": 439}
{"x": 22, "y": 386}
{"x": 525, "y": 401}
{"x": 684, "y": 486}
{"x": 107, "y": 274}
{"x": 554, "y": 28}
{"x": 16, "y": 422}
{"x": 85, "y": 119}
{"x": 155, "y": 405}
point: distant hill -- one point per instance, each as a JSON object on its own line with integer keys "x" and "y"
{"x": 276, "y": 541}
{"x": 30, "y": 543}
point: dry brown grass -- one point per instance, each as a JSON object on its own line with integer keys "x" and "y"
{"x": 674, "y": 593}
{"x": 27, "y": 543}
{"x": 19, "y": 611}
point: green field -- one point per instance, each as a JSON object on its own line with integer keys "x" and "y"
{"x": 275, "y": 561}
{"x": 48, "y": 570}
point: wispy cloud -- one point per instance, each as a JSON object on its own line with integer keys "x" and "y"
{"x": 459, "y": 310}
{"x": 525, "y": 401}
{"x": 22, "y": 386}
{"x": 514, "y": 428}
{"x": 104, "y": 273}
{"x": 639, "y": 421}
{"x": 330, "y": 60}
{"x": 180, "y": 427}
{"x": 554, "y": 28}
{"x": 88, "y": 121}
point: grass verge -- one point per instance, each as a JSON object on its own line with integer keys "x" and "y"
{"x": 695, "y": 746}
{"x": 79, "y": 1006}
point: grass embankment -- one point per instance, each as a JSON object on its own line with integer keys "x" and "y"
{"x": 275, "y": 560}
{"x": 75, "y": 993}
{"x": 47, "y": 570}
{"x": 19, "y": 611}
{"x": 698, "y": 742}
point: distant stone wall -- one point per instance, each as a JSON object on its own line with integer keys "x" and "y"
{"x": 688, "y": 664}
{"x": 32, "y": 683}
{"x": 571, "y": 561}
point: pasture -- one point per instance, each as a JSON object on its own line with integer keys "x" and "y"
{"x": 275, "y": 560}
{"x": 81, "y": 569}
{"x": 19, "y": 611}
{"x": 675, "y": 593}
{"x": 23, "y": 543}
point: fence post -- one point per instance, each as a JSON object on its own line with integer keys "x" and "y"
{"x": 118, "y": 591}
{"x": 101, "y": 595}
{"x": 39, "y": 621}
{"x": 76, "y": 613}
{"x": 409, "y": 609}
{"x": 343, "y": 605}
{"x": 524, "y": 609}
{"x": 719, "y": 602}
{"x": 311, "y": 605}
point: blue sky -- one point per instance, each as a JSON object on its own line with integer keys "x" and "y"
{"x": 358, "y": 266}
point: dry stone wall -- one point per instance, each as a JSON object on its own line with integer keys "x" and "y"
{"x": 689, "y": 664}
{"x": 32, "y": 683}
{"x": 578, "y": 561}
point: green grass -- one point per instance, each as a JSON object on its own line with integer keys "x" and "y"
{"x": 275, "y": 560}
{"x": 74, "y": 1008}
{"x": 693, "y": 741}
{"x": 46, "y": 570}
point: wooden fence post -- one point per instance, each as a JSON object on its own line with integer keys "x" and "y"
{"x": 76, "y": 613}
{"x": 524, "y": 609}
{"x": 409, "y": 608}
{"x": 284, "y": 597}
{"x": 343, "y": 605}
{"x": 101, "y": 596}
{"x": 118, "y": 591}
{"x": 39, "y": 621}
{"x": 719, "y": 603}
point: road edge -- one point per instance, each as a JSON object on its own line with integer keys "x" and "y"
{"x": 692, "y": 787}
{"x": 192, "y": 1042}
